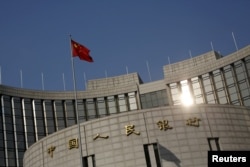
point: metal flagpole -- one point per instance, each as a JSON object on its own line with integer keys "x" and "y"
{"x": 63, "y": 82}
{"x": 106, "y": 76}
{"x": 127, "y": 69}
{"x": 42, "y": 81}
{"x": 212, "y": 46}
{"x": 75, "y": 95}
{"x": 169, "y": 63}
{"x": 149, "y": 74}
{"x": 190, "y": 54}
{"x": 235, "y": 42}
{"x": 21, "y": 78}
{"x": 85, "y": 80}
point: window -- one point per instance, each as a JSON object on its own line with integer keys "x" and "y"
{"x": 71, "y": 113}
{"x": 174, "y": 90}
{"x": 91, "y": 109}
{"x": 154, "y": 99}
{"x": 30, "y": 126}
{"x": 198, "y": 95}
{"x": 101, "y": 105}
{"x": 186, "y": 97}
{"x": 89, "y": 161}
{"x": 60, "y": 114}
{"x": 242, "y": 82}
{"x": 81, "y": 110}
{"x": 219, "y": 87}
{"x": 50, "y": 116}
{"x": 132, "y": 101}
{"x": 122, "y": 103}
{"x": 213, "y": 143}
{"x": 148, "y": 151}
{"x": 208, "y": 88}
{"x": 112, "y": 104}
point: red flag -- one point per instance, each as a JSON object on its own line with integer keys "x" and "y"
{"x": 81, "y": 51}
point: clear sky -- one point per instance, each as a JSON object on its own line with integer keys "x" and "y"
{"x": 34, "y": 37}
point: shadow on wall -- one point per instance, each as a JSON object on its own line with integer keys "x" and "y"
{"x": 169, "y": 156}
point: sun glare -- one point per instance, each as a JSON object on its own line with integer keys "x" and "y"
{"x": 186, "y": 97}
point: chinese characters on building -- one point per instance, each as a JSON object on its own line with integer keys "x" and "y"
{"x": 51, "y": 150}
{"x": 129, "y": 129}
{"x": 163, "y": 125}
{"x": 193, "y": 122}
{"x": 73, "y": 143}
{"x": 99, "y": 136}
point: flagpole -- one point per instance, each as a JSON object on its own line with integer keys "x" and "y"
{"x": 42, "y": 81}
{"x": 85, "y": 80}
{"x": 149, "y": 74}
{"x": 75, "y": 96}
{"x": 63, "y": 82}
{"x": 236, "y": 46}
{"x": 127, "y": 69}
{"x": 212, "y": 46}
{"x": 190, "y": 54}
{"x": 169, "y": 63}
{"x": 21, "y": 78}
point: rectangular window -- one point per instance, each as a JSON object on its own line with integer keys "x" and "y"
{"x": 146, "y": 101}
{"x": 242, "y": 82}
{"x": 186, "y": 96}
{"x": 91, "y": 109}
{"x": 208, "y": 88}
{"x": 112, "y": 104}
{"x": 30, "y": 126}
{"x": 231, "y": 85}
{"x": 82, "y": 110}
{"x": 148, "y": 148}
{"x": 71, "y": 113}
{"x": 101, "y": 105}
{"x": 20, "y": 135}
{"x": 175, "y": 94}
{"x": 122, "y": 103}
{"x": 198, "y": 95}
{"x": 60, "y": 114}
{"x": 213, "y": 143}
{"x": 132, "y": 101}
{"x": 89, "y": 161}
{"x": 147, "y": 156}
{"x": 154, "y": 99}
{"x": 50, "y": 116}
{"x": 40, "y": 119}
{"x": 219, "y": 87}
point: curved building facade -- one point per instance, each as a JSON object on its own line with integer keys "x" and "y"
{"x": 201, "y": 100}
{"x": 164, "y": 136}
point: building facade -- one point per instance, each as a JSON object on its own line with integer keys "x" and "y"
{"x": 204, "y": 100}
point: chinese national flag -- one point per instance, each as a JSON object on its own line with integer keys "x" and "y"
{"x": 81, "y": 51}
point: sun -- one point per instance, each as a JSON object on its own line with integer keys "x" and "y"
{"x": 186, "y": 97}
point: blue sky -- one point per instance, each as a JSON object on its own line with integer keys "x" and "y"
{"x": 34, "y": 37}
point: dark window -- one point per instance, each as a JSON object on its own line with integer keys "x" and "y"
{"x": 91, "y": 109}
{"x": 81, "y": 110}
{"x": 154, "y": 99}
{"x": 71, "y": 113}
{"x": 50, "y": 116}
{"x": 87, "y": 159}
{"x": 213, "y": 143}
{"x": 156, "y": 153}
{"x": 61, "y": 121}
{"x": 40, "y": 119}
